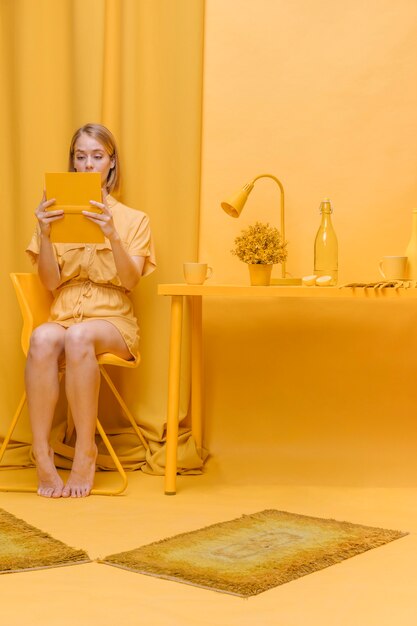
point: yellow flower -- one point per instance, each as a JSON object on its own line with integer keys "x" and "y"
{"x": 260, "y": 243}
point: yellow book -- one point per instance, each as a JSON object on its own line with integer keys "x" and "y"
{"x": 73, "y": 192}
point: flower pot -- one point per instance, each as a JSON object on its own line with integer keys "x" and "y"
{"x": 260, "y": 274}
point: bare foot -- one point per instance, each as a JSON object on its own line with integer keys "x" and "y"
{"x": 81, "y": 479}
{"x": 50, "y": 484}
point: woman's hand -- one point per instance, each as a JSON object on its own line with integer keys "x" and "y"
{"x": 45, "y": 217}
{"x": 129, "y": 268}
{"x": 103, "y": 219}
{"x": 47, "y": 264}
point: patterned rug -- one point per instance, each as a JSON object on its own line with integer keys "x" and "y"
{"x": 24, "y": 547}
{"x": 253, "y": 553}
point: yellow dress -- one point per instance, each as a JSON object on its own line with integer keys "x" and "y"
{"x": 89, "y": 285}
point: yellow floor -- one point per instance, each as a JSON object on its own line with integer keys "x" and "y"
{"x": 376, "y": 588}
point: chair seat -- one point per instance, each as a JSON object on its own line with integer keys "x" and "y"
{"x": 111, "y": 359}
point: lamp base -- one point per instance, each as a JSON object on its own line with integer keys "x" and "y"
{"x": 285, "y": 282}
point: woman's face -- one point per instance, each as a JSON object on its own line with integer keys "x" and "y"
{"x": 91, "y": 156}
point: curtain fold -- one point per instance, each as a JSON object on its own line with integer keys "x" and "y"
{"x": 136, "y": 66}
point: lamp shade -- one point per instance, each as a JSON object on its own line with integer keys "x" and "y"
{"x": 234, "y": 205}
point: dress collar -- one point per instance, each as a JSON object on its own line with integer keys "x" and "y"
{"x": 111, "y": 201}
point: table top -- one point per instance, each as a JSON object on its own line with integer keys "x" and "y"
{"x": 278, "y": 291}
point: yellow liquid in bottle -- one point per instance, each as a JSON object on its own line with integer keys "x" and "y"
{"x": 325, "y": 245}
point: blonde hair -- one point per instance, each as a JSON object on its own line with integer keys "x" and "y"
{"x": 104, "y": 136}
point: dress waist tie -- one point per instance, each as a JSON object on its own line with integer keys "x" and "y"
{"x": 85, "y": 292}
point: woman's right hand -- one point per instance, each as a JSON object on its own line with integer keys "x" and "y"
{"x": 45, "y": 217}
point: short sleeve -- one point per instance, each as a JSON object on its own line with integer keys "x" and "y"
{"x": 141, "y": 244}
{"x": 33, "y": 248}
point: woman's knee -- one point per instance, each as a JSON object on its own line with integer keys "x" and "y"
{"x": 46, "y": 341}
{"x": 79, "y": 343}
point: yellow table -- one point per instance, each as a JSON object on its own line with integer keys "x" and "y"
{"x": 196, "y": 293}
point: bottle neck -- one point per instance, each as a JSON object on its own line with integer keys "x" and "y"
{"x": 326, "y": 210}
{"x": 326, "y": 218}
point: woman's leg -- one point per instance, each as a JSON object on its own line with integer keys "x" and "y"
{"x": 83, "y": 342}
{"x": 42, "y": 388}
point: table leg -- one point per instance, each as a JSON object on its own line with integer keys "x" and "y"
{"x": 173, "y": 395}
{"x": 196, "y": 371}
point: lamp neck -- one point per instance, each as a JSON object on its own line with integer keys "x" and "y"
{"x": 282, "y": 211}
{"x": 278, "y": 182}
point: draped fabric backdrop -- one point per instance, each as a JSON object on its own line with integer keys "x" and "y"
{"x": 136, "y": 67}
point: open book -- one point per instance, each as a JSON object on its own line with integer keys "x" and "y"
{"x": 73, "y": 192}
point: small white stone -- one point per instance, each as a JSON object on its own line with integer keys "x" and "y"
{"x": 324, "y": 281}
{"x": 308, "y": 281}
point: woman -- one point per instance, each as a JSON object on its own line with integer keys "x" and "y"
{"x": 91, "y": 312}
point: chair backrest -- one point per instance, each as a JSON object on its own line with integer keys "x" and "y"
{"x": 34, "y": 301}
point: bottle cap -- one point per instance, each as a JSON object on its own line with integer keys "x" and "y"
{"x": 326, "y": 205}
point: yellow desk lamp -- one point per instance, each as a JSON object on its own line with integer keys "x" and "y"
{"x": 234, "y": 205}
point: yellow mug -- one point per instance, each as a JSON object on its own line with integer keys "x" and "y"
{"x": 197, "y": 273}
{"x": 393, "y": 267}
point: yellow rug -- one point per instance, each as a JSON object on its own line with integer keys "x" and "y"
{"x": 24, "y": 547}
{"x": 253, "y": 553}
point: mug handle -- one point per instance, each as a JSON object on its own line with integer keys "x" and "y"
{"x": 209, "y": 271}
{"x": 381, "y": 271}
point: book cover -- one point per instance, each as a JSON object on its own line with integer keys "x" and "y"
{"x": 73, "y": 192}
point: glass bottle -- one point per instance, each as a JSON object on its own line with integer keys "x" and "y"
{"x": 325, "y": 245}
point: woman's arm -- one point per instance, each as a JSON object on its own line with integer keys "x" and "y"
{"x": 48, "y": 269}
{"x": 129, "y": 268}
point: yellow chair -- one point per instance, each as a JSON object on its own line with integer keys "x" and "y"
{"x": 35, "y": 302}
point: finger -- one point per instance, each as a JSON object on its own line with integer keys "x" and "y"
{"x": 44, "y": 213}
{"x": 94, "y": 213}
{"x": 54, "y": 218}
{"x": 58, "y": 213}
{"x": 100, "y": 205}
{"x": 49, "y": 203}
{"x": 96, "y": 217}
{"x": 100, "y": 223}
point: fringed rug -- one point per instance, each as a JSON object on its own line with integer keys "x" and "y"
{"x": 24, "y": 547}
{"x": 253, "y": 553}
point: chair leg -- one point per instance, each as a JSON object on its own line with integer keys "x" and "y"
{"x": 6, "y": 443}
{"x": 106, "y": 441}
{"x": 110, "y": 449}
{"x": 124, "y": 407}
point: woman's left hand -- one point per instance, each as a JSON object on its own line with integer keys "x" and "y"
{"x": 103, "y": 219}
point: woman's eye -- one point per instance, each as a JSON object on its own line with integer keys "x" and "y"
{"x": 80, "y": 157}
{"x": 98, "y": 157}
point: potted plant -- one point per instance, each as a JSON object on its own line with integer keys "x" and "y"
{"x": 260, "y": 246}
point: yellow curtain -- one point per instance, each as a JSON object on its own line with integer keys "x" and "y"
{"x": 135, "y": 66}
